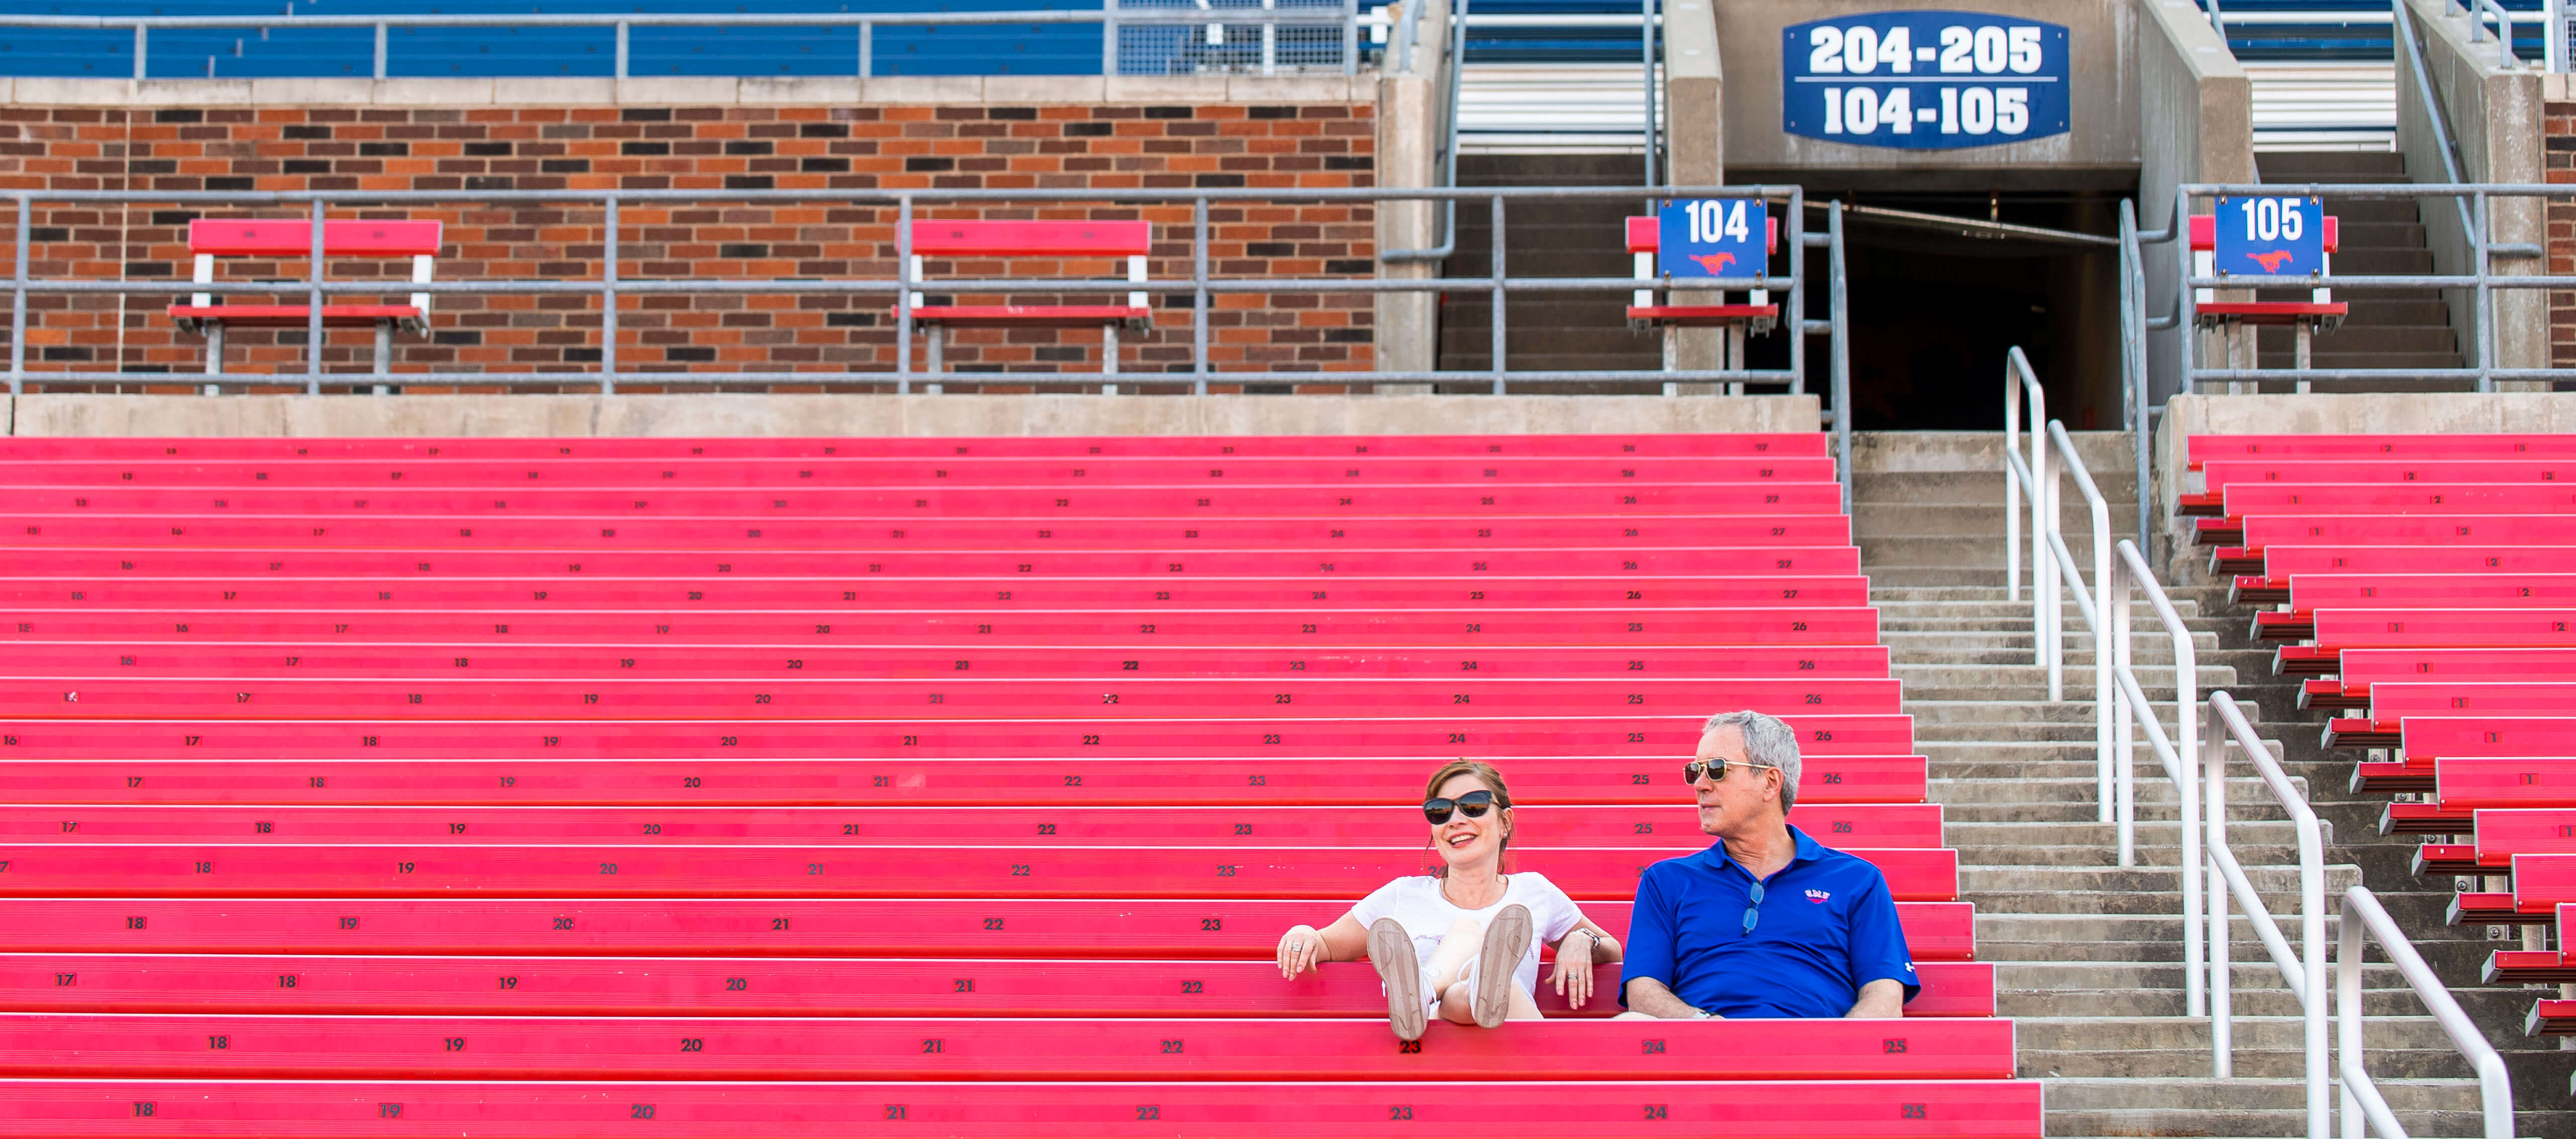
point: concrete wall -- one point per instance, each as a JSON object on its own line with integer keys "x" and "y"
{"x": 2196, "y": 124}
{"x": 807, "y": 415}
{"x": 1412, "y": 119}
{"x": 2414, "y": 413}
{"x": 2495, "y": 120}
{"x": 1695, "y": 103}
{"x": 2100, "y": 148}
{"x": 468, "y": 137}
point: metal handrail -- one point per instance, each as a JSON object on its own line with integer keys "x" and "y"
{"x": 2361, "y": 1099}
{"x": 1109, "y": 17}
{"x": 2479, "y": 10}
{"x": 1454, "y": 52}
{"x": 2136, "y": 414}
{"x": 2131, "y": 572}
{"x": 1198, "y": 284}
{"x": 2304, "y": 971}
{"x": 2047, "y": 647}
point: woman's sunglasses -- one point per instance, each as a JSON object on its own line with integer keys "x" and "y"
{"x": 1474, "y": 803}
{"x": 1715, "y": 770}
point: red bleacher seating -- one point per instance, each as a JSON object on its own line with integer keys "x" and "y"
{"x": 2374, "y": 501}
{"x": 2499, "y": 836}
{"x": 2359, "y": 669}
{"x": 2334, "y": 630}
{"x": 984, "y": 246}
{"x": 2263, "y": 531}
{"x": 2200, "y": 450}
{"x": 2269, "y": 583}
{"x": 2546, "y": 966}
{"x": 542, "y": 776}
{"x": 289, "y": 243}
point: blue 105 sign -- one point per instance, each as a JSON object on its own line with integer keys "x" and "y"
{"x": 2269, "y": 237}
{"x": 1923, "y": 80}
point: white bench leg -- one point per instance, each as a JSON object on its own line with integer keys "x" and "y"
{"x": 384, "y": 353}
{"x": 1672, "y": 360}
{"x": 936, "y": 336}
{"x": 1109, "y": 356}
{"x": 2300, "y": 334}
{"x": 215, "y": 348}
{"x": 1734, "y": 356}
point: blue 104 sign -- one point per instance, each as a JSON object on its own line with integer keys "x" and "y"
{"x": 1923, "y": 80}
{"x": 1713, "y": 237}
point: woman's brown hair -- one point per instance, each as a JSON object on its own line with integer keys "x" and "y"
{"x": 1502, "y": 802}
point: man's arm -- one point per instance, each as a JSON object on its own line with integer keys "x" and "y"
{"x": 1649, "y": 996}
{"x": 1882, "y": 999}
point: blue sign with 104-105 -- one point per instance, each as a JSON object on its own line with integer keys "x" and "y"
{"x": 1713, "y": 237}
{"x": 2269, "y": 237}
{"x": 1924, "y": 80}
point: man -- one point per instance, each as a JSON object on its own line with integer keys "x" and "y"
{"x": 1766, "y": 923}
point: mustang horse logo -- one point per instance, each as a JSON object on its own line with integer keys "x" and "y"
{"x": 2271, "y": 262}
{"x": 1715, "y": 263}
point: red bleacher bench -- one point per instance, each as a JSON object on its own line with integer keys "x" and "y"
{"x": 1217, "y": 1109}
{"x": 280, "y": 239}
{"x": 2375, "y": 500}
{"x": 2464, "y": 786}
{"x": 2319, "y": 313}
{"x": 1197, "y": 928}
{"x": 771, "y": 986}
{"x": 2310, "y": 592}
{"x": 1606, "y": 444}
{"x": 2499, "y": 835}
{"x": 2220, "y": 474}
{"x": 1757, "y": 315}
{"x": 2541, "y": 884}
{"x": 847, "y": 471}
{"x": 2200, "y": 450}
{"x": 993, "y": 243}
{"x": 2335, "y": 630}
{"x": 2270, "y": 584}
{"x": 2546, "y": 966}
{"x": 2362, "y": 668}
{"x": 2484, "y": 531}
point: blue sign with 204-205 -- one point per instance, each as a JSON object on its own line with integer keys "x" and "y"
{"x": 1924, "y": 80}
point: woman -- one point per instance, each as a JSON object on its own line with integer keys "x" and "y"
{"x": 1462, "y": 941}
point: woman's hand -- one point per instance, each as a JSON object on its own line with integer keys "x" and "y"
{"x": 1574, "y": 968}
{"x": 1300, "y": 949}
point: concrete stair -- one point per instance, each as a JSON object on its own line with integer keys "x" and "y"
{"x": 2088, "y": 953}
{"x": 1547, "y": 330}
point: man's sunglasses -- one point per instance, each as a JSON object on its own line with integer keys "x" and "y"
{"x": 1474, "y": 803}
{"x": 1714, "y": 769}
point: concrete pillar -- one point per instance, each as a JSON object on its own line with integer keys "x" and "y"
{"x": 1412, "y": 128}
{"x": 1695, "y": 143}
{"x": 2196, "y": 124}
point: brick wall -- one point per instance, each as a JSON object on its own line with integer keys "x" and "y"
{"x": 2559, "y": 167}
{"x": 713, "y": 149}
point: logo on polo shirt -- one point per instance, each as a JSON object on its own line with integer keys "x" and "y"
{"x": 1818, "y": 896}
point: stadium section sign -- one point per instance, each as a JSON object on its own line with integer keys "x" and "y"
{"x": 1713, "y": 237}
{"x": 1923, "y": 80}
{"x": 2269, "y": 237}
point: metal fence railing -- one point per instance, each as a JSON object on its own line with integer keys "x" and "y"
{"x": 1138, "y": 37}
{"x": 615, "y": 279}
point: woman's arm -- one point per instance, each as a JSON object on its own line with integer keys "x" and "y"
{"x": 1577, "y": 952}
{"x": 1304, "y": 947}
{"x": 1605, "y": 948}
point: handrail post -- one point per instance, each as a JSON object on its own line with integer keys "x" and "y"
{"x": 18, "y": 302}
{"x": 381, "y": 32}
{"x": 623, "y": 38}
{"x": 2485, "y": 327}
{"x": 2222, "y": 1013}
{"x": 142, "y": 47}
{"x": 2012, "y": 489}
{"x": 1199, "y": 293}
{"x": 903, "y": 290}
{"x": 2124, "y": 740}
{"x": 2186, "y": 299}
{"x": 867, "y": 49}
{"x": 2348, "y": 1013}
{"x": 608, "y": 302}
{"x": 1840, "y": 380}
{"x": 2102, "y": 686}
{"x": 313, "y": 310}
{"x": 1496, "y": 326}
{"x": 1109, "y": 38}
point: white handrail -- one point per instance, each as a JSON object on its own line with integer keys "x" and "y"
{"x": 2131, "y": 572}
{"x": 2305, "y": 971}
{"x": 2361, "y": 1100}
{"x": 2094, "y": 611}
{"x": 2045, "y": 644}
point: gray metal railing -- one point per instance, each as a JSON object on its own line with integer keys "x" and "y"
{"x": 1201, "y": 286}
{"x": 1343, "y": 15}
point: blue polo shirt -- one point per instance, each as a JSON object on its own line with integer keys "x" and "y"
{"x": 1828, "y": 926}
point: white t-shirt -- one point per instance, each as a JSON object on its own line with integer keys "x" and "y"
{"x": 1417, "y": 904}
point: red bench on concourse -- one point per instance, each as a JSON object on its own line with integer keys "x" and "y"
{"x": 850, "y": 471}
{"x": 248, "y": 770}
{"x": 281, "y": 240}
{"x": 2269, "y": 584}
{"x": 1757, "y": 315}
{"x": 726, "y": 662}
{"x": 1752, "y": 1109}
{"x": 2199, "y": 450}
{"x": 1105, "y": 704}
{"x": 1229, "y": 928}
{"x": 2319, "y": 313}
{"x": 2336, "y": 630}
{"x": 1147, "y": 559}
{"x": 1643, "y": 445}
{"x": 1179, "y": 538}
{"x": 770, "y": 986}
{"x": 889, "y": 1048}
{"x": 985, "y": 245}
{"x": 1634, "y": 826}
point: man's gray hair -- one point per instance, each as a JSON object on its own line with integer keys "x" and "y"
{"x": 1768, "y": 743}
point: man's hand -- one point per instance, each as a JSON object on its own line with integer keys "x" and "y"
{"x": 1574, "y": 968}
{"x": 1649, "y": 996}
{"x": 1882, "y": 999}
